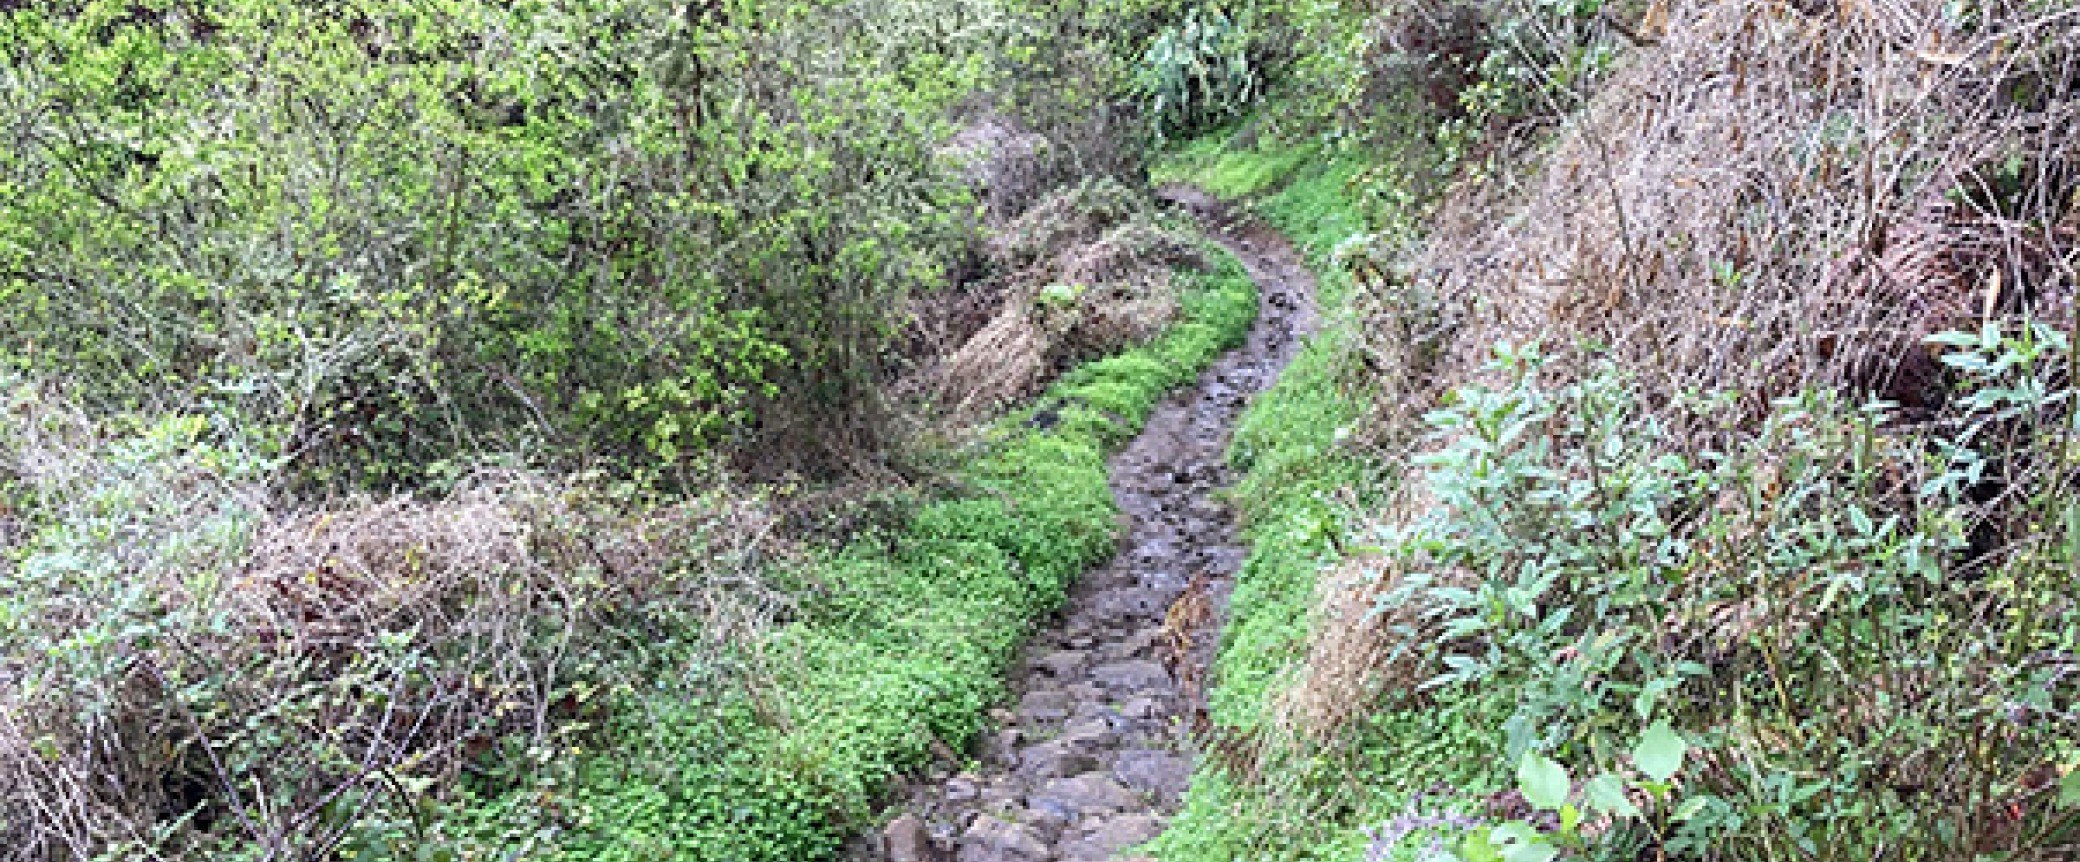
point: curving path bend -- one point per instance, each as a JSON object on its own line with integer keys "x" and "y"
{"x": 1097, "y": 750}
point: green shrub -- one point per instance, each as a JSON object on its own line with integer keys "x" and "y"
{"x": 1816, "y": 607}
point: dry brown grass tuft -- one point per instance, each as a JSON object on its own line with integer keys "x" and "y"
{"x": 1002, "y": 363}
{"x": 1357, "y": 652}
{"x": 1694, "y": 215}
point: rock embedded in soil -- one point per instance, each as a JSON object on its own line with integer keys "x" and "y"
{"x": 1140, "y": 707}
{"x": 1063, "y": 664}
{"x": 907, "y": 841}
{"x": 1053, "y": 759}
{"x": 990, "y": 839}
{"x": 1088, "y": 794}
{"x": 1044, "y": 705}
{"x": 1156, "y": 772}
{"x": 1138, "y": 675}
{"x": 1112, "y": 836}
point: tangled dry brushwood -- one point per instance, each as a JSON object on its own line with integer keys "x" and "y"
{"x": 226, "y": 671}
{"x": 1775, "y": 196}
{"x": 1085, "y": 272}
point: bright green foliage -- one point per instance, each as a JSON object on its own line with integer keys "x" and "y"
{"x": 899, "y": 640}
{"x": 1197, "y": 72}
{"x": 1234, "y": 174}
{"x": 389, "y": 233}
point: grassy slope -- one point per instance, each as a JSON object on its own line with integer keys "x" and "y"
{"x": 1309, "y": 806}
{"x": 900, "y": 640}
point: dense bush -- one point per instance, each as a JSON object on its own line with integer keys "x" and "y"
{"x": 389, "y": 234}
{"x": 1807, "y": 605}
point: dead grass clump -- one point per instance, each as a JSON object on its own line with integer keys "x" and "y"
{"x": 1688, "y": 217}
{"x": 1065, "y": 218}
{"x": 1946, "y": 268}
{"x": 1002, "y": 363}
{"x": 1085, "y": 273}
{"x": 1114, "y": 317}
{"x": 1131, "y": 252}
{"x": 1040, "y": 333}
{"x": 186, "y": 670}
{"x": 1363, "y": 647}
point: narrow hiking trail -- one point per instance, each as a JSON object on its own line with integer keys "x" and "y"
{"x": 1097, "y": 749}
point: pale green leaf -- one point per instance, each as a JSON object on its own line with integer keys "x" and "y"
{"x": 1606, "y": 793}
{"x": 1542, "y": 780}
{"x": 1540, "y": 852}
{"x": 1660, "y": 752}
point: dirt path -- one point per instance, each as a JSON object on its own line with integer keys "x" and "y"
{"x": 1097, "y": 750}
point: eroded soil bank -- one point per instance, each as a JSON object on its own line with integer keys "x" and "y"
{"x": 1097, "y": 749}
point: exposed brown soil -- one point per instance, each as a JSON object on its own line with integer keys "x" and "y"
{"x": 1096, "y": 749}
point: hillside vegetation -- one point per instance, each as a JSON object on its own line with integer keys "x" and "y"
{"x": 643, "y": 430}
{"x": 1720, "y": 501}
{"x": 484, "y": 430}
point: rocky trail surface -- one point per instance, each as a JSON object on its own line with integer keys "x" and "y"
{"x": 1096, "y": 750}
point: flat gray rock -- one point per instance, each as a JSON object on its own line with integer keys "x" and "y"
{"x": 1063, "y": 664}
{"x": 1150, "y": 771}
{"x": 989, "y": 839}
{"x": 1092, "y": 793}
{"x": 1044, "y": 705}
{"x": 1111, "y": 836}
{"x": 1055, "y": 758}
{"x": 1133, "y": 675}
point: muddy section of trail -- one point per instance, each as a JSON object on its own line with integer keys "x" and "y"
{"x": 1096, "y": 750}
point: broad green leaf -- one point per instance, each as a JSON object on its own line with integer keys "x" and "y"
{"x": 1543, "y": 781}
{"x": 1538, "y": 852}
{"x": 2069, "y": 789}
{"x": 1690, "y": 808}
{"x": 1479, "y": 847}
{"x": 1512, "y": 834}
{"x": 1606, "y": 793}
{"x": 1660, "y": 752}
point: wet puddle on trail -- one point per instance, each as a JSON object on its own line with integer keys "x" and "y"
{"x": 1096, "y": 750}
